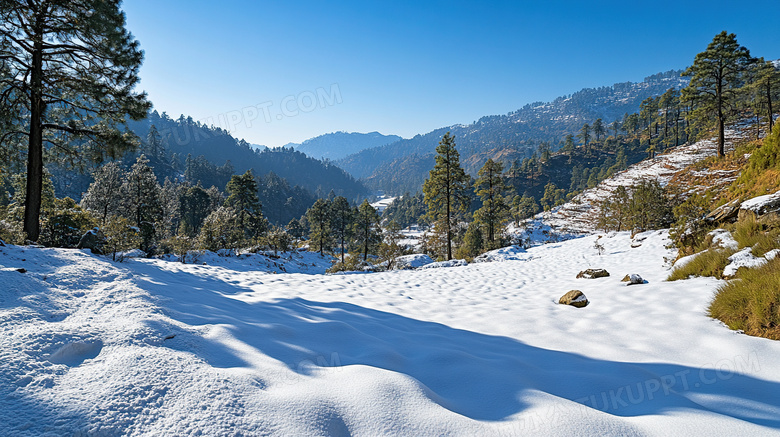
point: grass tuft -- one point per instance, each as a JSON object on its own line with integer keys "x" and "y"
{"x": 751, "y": 304}
{"x": 708, "y": 263}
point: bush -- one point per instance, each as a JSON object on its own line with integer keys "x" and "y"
{"x": 121, "y": 236}
{"x": 65, "y": 224}
{"x": 353, "y": 263}
{"x": 752, "y": 303}
{"x": 708, "y": 263}
{"x": 750, "y": 233}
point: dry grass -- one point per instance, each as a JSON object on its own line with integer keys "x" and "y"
{"x": 751, "y": 304}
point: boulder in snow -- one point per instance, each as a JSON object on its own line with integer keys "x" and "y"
{"x": 574, "y": 298}
{"x": 633, "y": 279}
{"x": 592, "y": 274}
{"x": 92, "y": 240}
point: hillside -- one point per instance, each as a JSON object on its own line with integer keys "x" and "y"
{"x": 184, "y": 136}
{"x": 512, "y": 136}
{"x": 338, "y": 145}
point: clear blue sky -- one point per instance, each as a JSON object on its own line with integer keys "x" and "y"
{"x": 408, "y": 67}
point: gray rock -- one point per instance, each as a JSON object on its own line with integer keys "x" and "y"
{"x": 633, "y": 279}
{"x": 724, "y": 213}
{"x": 92, "y": 240}
{"x": 574, "y": 298}
{"x": 593, "y": 274}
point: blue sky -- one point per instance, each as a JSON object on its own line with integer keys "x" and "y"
{"x": 279, "y": 72}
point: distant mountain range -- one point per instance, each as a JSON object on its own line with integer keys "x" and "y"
{"x": 337, "y": 145}
{"x": 516, "y": 135}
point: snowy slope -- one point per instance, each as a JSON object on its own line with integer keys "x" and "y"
{"x": 579, "y": 215}
{"x": 153, "y": 347}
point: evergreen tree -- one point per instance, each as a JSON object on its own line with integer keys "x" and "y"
{"x": 242, "y": 196}
{"x": 716, "y": 75}
{"x": 341, "y": 220}
{"x": 104, "y": 196}
{"x": 584, "y": 134}
{"x": 194, "y": 206}
{"x": 73, "y": 67}
{"x": 366, "y": 229}
{"x": 446, "y": 190}
{"x": 494, "y": 211}
{"x": 142, "y": 202}
{"x": 598, "y": 129}
{"x": 221, "y": 230}
{"x": 295, "y": 228}
{"x": 318, "y": 217}
{"x": 767, "y": 88}
{"x": 553, "y": 196}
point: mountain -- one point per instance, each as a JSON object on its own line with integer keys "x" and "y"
{"x": 184, "y": 137}
{"x": 506, "y": 138}
{"x": 338, "y": 145}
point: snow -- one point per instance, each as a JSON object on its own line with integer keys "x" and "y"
{"x": 382, "y": 203}
{"x": 413, "y": 261}
{"x": 762, "y": 204}
{"x": 723, "y": 239}
{"x": 509, "y": 253}
{"x": 450, "y": 263}
{"x": 157, "y": 347}
{"x": 745, "y": 258}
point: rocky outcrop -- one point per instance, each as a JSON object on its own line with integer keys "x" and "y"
{"x": 592, "y": 274}
{"x": 725, "y": 213}
{"x": 763, "y": 209}
{"x": 574, "y": 298}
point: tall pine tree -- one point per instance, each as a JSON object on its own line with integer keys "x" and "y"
{"x": 446, "y": 190}
{"x": 366, "y": 229}
{"x": 494, "y": 212}
{"x": 73, "y": 68}
{"x": 341, "y": 219}
{"x": 716, "y": 75}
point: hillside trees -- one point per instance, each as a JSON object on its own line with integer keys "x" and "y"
{"x": 584, "y": 134}
{"x": 318, "y": 217}
{"x": 716, "y": 75}
{"x": 766, "y": 88}
{"x": 366, "y": 229}
{"x": 494, "y": 212}
{"x": 341, "y": 219}
{"x": 73, "y": 68}
{"x": 104, "y": 194}
{"x": 446, "y": 190}
{"x": 142, "y": 201}
{"x": 242, "y": 197}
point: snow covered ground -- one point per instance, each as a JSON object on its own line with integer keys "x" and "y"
{"x": 154, "y": 347}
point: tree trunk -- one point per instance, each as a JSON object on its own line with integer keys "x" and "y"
{"x": 32, "y": 207}
{"x": 769, "y": 107}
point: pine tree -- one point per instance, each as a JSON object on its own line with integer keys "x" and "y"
{"x": 194, "y": 207}
{"x": 72, "y": 67}
{"x": 716, "y": 75}
{"x": 318, "y": 217}
{"x": 242, "y": 196}
{"x": 142, "y": 203}
{"x": 104, "y": 196}
{"x": 598, "y": 129}
{"x": 584, "y": 134}
{"x": 446, "y": 190}
{"x": 295, "y": 228}
{"x": 341, "y": 219}
{"x": 221, "y": 230}
{"x": 767, "y": 88}
{"x": 494, "y": 212}
{"x": 366, "y": 229}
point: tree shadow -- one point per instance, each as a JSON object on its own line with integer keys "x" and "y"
{"x": 483, "y": 377}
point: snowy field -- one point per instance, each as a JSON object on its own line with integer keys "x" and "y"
{"x": 154, "y": 347}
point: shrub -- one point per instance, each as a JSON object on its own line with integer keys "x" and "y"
{"x": 708, "y": 263}
{"x": 64, "y": 225}
{"x": 120, "y": 235}
{"x": 752, "y": 303}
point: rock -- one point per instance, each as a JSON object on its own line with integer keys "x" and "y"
{"x": 764, "y": 209}
{"x": 633, "y": 279}
{"x": 92, "y": 240}
{"x": 724, "y": 213}
{"x": 21, "y": 270}
{"x": 593, "y": 274}
{"x": 574, "y": 298}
